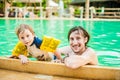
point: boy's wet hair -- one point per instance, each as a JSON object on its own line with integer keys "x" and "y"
{"x": 23, "y": 27}
{"x": 79, "y": 29}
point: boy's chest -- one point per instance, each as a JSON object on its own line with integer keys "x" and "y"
{"x": 33, "y": 50}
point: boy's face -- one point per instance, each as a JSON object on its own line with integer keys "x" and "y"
{"x": 77, "y": 42}
{"x": 26, "y": 37}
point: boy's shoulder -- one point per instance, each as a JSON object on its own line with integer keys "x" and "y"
{"x": 37, "y": 42}
{"x": 36, "y": 39}
{"x": 20, "y": 44}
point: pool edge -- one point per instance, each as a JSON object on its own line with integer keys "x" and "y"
{"x": 56, "y": 69}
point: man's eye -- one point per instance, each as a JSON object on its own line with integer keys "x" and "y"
{"x": 71, "y": 39}
{"x": 78, "y": 38}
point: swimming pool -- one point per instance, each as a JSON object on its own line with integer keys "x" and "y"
{"x": 105, "y": 35}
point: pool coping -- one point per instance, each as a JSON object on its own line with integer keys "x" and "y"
{"x": 62, "y": 18}
{"x": 57, "y": 69}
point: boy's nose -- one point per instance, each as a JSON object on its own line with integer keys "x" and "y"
{"x": 26, "y": 39}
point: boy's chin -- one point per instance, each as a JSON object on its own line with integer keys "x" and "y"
{"x": 27, "y": 44}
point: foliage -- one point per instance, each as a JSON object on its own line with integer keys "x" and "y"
{"x": 77, "y": 11}
{"x": 44, "y": 3}
{"x": 18, "y": 4}
{"x": 10, "y": 1}
{"x": 66, "y": 3}
{"x": 1, "y": 4}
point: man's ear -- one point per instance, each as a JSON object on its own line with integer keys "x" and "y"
{"x": 86, "y": 39}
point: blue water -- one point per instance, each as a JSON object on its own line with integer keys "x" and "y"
{"x": 105, "y": 35}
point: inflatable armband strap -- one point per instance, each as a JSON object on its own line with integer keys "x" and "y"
{"x": 49, "y": 44}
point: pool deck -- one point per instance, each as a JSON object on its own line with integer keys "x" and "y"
{"x": 57, "y": 69}
{"x": 16, "y": 75}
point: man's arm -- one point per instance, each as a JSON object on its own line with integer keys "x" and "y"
{"x": 75, "y": 61}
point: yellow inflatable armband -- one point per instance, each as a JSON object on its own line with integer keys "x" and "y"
{"x": 49, "y": 44}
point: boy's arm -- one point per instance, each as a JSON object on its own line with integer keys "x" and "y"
{"x": 50, "y": 44}
{"x": 23, "y": 59}
{"x": 20, "y": 51}
{"x": 58, "y": 54}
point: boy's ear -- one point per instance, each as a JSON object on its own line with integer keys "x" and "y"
{"x": 18, "y": 37}
{"x": 34, "y": 35}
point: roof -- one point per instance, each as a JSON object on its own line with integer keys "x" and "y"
{"x": 32, "y": 1}
{"x": 83, "y": 1}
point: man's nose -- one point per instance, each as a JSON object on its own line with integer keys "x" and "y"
{"x": 75, "y": 41}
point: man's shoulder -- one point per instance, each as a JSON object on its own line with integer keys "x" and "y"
{"x": 91, "y": 50}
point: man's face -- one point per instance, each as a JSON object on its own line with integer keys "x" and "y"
{"x": 77, "y": 42}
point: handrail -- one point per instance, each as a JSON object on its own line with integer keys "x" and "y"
{"x": 108, "y": 8}
{"x": 106, "y": 12}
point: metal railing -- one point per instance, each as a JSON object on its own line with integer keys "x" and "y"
{"x": 105, "y": 12}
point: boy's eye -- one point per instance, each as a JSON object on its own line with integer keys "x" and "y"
{"x": 27, "y": 35}
{"x": 22, "y": 37}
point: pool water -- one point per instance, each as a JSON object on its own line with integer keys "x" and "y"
{"x": 105, "y": 35}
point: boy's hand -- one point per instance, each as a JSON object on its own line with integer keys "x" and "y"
{"x": 23, "y": 59}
